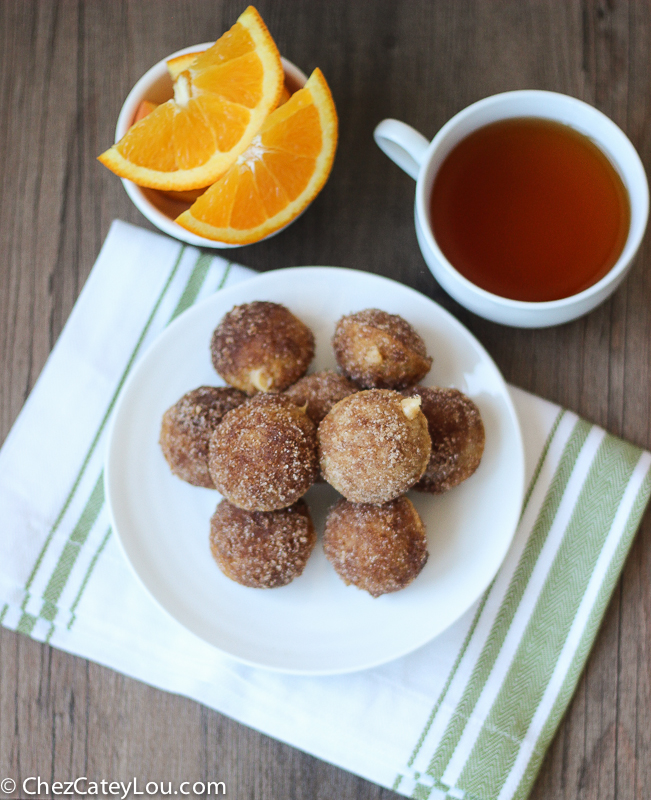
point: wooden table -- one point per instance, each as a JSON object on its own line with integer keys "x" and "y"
{"x": 66, "y": 68}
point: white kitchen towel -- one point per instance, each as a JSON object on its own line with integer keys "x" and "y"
{"x": 469, "y": 715}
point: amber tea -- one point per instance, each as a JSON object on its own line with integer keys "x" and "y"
{"x": 530, "y": 209}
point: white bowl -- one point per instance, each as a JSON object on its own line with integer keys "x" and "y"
{"x": 156, "y": 86}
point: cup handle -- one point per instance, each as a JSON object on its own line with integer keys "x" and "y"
{"x": 403, "y": 144}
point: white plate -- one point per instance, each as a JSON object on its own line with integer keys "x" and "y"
{"x": 316, "y": 625}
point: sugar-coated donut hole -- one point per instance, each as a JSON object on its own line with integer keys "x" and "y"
{"x": 320, "y": 392}
{"x": 378, "y": 548}
{"x": 186, "y": 429}
{"x": 261, "y": 549}
{"x": 371, "y": 449}
{"x": 263, "y": 456}
{"x": 457, "y": 432}
{"x": 380, "y": 350}
{"x": 261, "y": 347}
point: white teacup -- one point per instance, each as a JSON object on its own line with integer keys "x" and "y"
{"x": 421, "y": 159}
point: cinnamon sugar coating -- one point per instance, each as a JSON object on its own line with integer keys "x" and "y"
{"x": 379, "y": 549}
{"x": 262, "y": 456}
{"x": 187, "y": 427}
{"x": 320, "y": 392}
{"x": 261, "y": 347}
{"x": 457, "y": 432}
{"x": 380, "y": 350}
{"x": 373, "y": 446}
{"x": 261, "y": 549}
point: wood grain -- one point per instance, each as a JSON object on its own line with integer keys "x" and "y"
{"x": 65, "y": 69}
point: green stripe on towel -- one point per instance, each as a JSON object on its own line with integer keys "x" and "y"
{"x": 532, "y": 485}
{"x": 511, "y": 601}
{"x": 102, "y": 425}
{"x": 496, "y": 748}
{"x": 89, "y": 572}
{"x": 587, "y": 638}
{"x": 75, "y": 541}
{"x": 93, "y": 507}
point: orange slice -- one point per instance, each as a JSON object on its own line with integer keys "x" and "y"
{"x": 177, "y": 65}
{"x": 188, "y": 196}
{"x": 284, "y": 95}
{"x": 277, "y": 177}
{"x": 219, "y": 104}
{"x": 146, "y": 107}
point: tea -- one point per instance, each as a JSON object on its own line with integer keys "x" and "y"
{"x": 529, "y": 209}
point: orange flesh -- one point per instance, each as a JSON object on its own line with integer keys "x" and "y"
{"x": 277, "y": 176}
{"x": 221, "y": 98}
